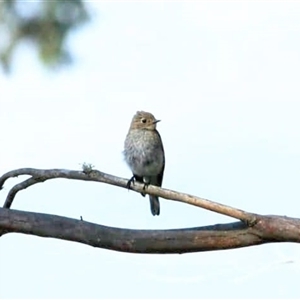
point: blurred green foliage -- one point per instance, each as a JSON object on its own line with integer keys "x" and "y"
{"x": 44, "y": 23}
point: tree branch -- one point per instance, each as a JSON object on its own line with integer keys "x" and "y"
{"x": 18, "y": 187}
{"x": 263, "y": 229}
{"x": 40, "y": 175}
{"x": 217, "y": 237}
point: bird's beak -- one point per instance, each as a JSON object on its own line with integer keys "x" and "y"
{"x": 156, "y": 121}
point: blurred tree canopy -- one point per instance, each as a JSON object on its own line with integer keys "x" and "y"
{"x": 46, "y": 24}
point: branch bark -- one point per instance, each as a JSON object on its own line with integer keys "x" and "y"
{"x": 39, "y": 175}
{"x": 253, "y": 229}
{"x": 217, "y": 237}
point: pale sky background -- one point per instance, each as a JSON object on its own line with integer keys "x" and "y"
{"x": 224, "y": 79}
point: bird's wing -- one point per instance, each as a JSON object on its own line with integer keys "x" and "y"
{"x": 160, "y": 176}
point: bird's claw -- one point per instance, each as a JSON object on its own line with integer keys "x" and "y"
{"x": 131, "y": 180}
{"x": 145, "y": 186}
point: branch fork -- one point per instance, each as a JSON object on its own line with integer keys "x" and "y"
{"x": 252, "y": 229}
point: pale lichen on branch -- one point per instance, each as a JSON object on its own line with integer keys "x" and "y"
{"x": 263, "y": 229}
{"x": 89, "y": 174}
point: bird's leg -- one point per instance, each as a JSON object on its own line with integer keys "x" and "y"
{"x": 146, "y": 182}
{"x": 145, "y": 185}
{"x": 131, "y": 180}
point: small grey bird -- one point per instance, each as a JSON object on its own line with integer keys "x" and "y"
{"x": 144, "y": 153}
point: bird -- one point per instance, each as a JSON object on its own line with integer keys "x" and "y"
{"x": 144, "y": 154}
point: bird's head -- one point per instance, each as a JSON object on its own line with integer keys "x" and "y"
{"x": 143, "y": 120}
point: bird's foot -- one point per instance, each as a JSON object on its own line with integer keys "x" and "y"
{"x": 145, "y": 185}
{"x": 144, "y": 188}
{"x": 129, "y": 182}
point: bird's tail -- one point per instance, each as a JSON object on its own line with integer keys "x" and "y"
{"x": 154, "y": 205}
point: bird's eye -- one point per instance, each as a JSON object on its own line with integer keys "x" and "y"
{"x": 143, "y": 120}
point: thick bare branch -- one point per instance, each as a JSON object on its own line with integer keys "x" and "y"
{"x": 264, "y": 229}
{"x": 217, "y": 237}
{"x": 39, "y": 175}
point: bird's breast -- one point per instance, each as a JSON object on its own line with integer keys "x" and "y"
{"x": 144, "y": 152}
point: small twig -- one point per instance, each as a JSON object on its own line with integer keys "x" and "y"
{"x": 88, "y": 174}
{"x": 18, "y": 187}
